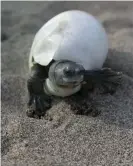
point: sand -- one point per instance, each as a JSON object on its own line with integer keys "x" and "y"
{"x": 68, "y": 139}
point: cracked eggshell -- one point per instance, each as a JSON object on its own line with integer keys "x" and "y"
{"x": 72, "y": 35}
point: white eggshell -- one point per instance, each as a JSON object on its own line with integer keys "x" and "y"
{"x": 72, "y": 35}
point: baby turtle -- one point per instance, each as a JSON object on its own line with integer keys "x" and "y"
{"x": 68, "y": 51}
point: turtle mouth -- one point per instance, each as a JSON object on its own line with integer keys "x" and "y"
{"x": 71, "y": 83}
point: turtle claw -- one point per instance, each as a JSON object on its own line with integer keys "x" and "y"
{"x": 30, "y": 113}
{"x": 37, "y": 106}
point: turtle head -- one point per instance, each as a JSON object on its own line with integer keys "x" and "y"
{"x": 66, "y": 73}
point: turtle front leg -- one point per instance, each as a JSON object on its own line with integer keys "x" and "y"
{"x": 110, "y": 80}
{"x": 106, "y": 77}
{"x": 39, "y": 102}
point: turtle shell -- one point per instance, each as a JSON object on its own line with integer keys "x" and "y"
{"x": 72, "y": 35}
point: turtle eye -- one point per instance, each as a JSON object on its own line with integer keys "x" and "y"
{"x": 68, "y": 71}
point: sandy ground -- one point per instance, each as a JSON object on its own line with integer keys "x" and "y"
{"x": 67, "y": 140}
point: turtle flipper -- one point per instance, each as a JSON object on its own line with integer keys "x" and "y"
{"x": 39, "y": 102}
{"x": 112, "y": 80}
{"x": 105, "y": 77}
{"x": 37, "y": 106}
{"x": 82, "y": 103}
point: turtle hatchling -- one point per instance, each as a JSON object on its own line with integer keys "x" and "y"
{"x": 67, "y": 52}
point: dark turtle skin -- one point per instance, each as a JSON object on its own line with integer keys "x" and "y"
{"x": 39, "y": 102}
